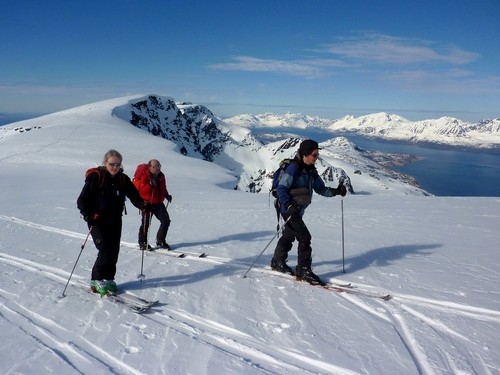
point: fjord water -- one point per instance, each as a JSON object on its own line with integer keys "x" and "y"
{"x": 442, "y": 171}
{"x": 446, "y": 171}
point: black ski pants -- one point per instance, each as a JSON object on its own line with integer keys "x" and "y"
{"x": 160, "y": 212}
{"x": 106, "y": 236}
{"x": 295, "y": 229}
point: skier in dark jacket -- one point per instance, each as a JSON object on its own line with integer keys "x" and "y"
{"x": 294, "y": 193}
{"x": 101, "y": 203}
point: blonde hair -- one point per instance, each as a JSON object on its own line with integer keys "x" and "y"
{"x": 110, "y": 154}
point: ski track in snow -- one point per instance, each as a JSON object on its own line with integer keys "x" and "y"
{"x": 233, "y": 342}
{"x": 400, "y": 312}
{"x": 81, "y": 355}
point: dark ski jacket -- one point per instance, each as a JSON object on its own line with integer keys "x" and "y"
{"x": 105, "y": 195}
{"x": 299, "y": 175}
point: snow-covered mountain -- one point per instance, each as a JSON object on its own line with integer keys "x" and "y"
{"x": 437, "y": 256}
{"x": 445, "y": 130}
{"x": 197, "y": 132}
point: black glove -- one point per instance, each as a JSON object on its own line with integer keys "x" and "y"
{"x": 91, "y": 219}
{"x": 339, "y": 190}
{"x": 292, "y": 209}
{"x": 153, "y": 182}
{"x": 342, "y": 190}
{"x": 169, "y": 198}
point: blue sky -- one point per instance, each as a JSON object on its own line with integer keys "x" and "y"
{"x": 419, "y": 59}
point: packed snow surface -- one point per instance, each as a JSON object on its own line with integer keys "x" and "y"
{"x": 438, "y": 257}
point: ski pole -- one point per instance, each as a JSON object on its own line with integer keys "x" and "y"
{"x": 81, "y": 250}
{"x": 342, "y": 211}
{"x": 147, "y": 224}
{"x": 262, "y": 252}
{"x": 141, "y": 275}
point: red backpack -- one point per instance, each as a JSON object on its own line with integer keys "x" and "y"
{"x": 139, "y": 172}
{"x": 99, "y": 172}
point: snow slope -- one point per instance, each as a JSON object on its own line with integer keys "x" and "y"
{"x": 437, "y": 256}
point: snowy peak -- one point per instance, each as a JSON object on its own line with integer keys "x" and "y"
{"x": 445, "y": 130}
{"x": 193, "y": 128}
{"x": 288, "y": 120}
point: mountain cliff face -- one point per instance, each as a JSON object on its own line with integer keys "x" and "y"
{"x": 192, "y": 128}
{"x": 198, "y": 133}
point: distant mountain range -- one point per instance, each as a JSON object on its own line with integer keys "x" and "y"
{"x": 445, "y": 130}
{"x": 197, "y": 132}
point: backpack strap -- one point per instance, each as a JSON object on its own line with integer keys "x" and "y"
{"x": 100, "y": 174}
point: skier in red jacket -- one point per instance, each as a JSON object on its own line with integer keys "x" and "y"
{"x": 153, "y": 189}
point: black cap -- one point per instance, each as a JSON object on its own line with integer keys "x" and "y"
{"x": 308, "y": 146}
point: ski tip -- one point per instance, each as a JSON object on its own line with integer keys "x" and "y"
{"x": 387, "y": 297}
{"x": 181, "y": 256}
{"x": 203, "y": 255}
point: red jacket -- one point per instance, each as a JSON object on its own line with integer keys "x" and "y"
{"x": 153, "y": 194}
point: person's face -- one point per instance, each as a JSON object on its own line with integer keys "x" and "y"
{"x": 155, "y": 167}
{"x": 113, "y": 165}
{"x": 311, "y": 158}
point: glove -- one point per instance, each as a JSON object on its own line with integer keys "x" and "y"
{"x": 292, "y": 209}
{"x": 153, "y": 182}
{"x": 91, "y": 220}
{"x": 169, "y": 198}
{"x": 339, "y": 190}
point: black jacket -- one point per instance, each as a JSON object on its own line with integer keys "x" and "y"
{"x": 104, "y": 195}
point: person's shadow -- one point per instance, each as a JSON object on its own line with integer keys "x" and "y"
{"x": 235, "y": 267}
{"x": 243, "y": 237}
{"x": 380, "y": 257}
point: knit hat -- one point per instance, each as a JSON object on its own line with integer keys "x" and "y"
{"x": 308, "y": 146}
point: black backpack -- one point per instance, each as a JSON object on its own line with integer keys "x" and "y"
{"x": 276, "y": 180}
{"x": 277, "y": 176}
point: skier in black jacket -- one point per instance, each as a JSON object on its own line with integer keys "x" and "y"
{"x": 101, "y": 203}
{"x": 295, "y": 190}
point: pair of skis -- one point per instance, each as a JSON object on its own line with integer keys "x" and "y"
{"x": 175, "y": 253}
{"x": 135, "y": 303}
{"x": 337, "y": 287}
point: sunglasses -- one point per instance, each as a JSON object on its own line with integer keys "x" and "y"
{"x": 156, "y": 166}
{"x": 115, "y": 164}
{"x": 315, "y": 155}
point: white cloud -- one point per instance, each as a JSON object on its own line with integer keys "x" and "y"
{"x": 447, "y": 81}
{"x": 356, "y": 52}
{"x": 385, "y": 49}
{"x": 313, "y": 68}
